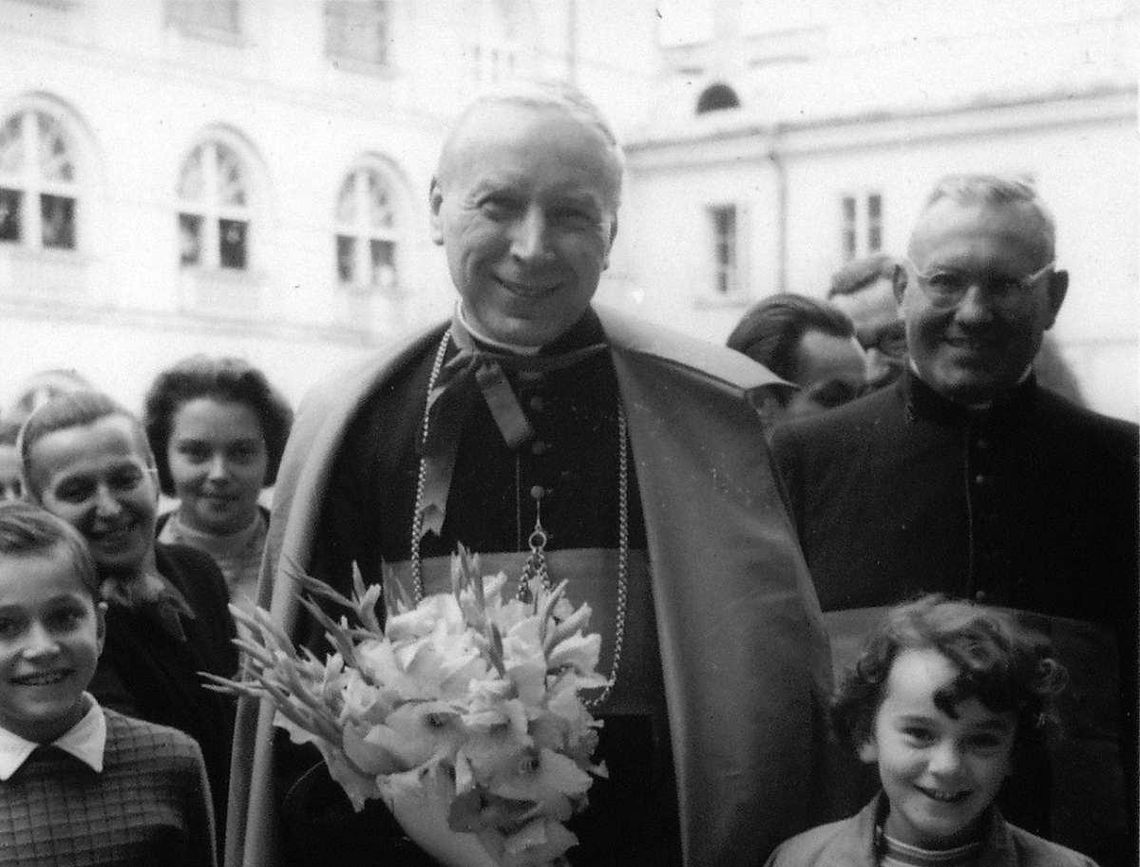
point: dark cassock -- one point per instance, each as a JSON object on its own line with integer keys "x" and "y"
{"x": 640, "y": 455}
{"x": 1029, "y": 505}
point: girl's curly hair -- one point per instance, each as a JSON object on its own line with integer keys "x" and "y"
{"x": 1004, "y": 665}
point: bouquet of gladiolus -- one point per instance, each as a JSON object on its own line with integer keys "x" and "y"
{"x": 466, "y": 703}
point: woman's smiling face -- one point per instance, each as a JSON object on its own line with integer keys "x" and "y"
{"x": 99, "y": 478}
{"x": 217, "y": 457}
{"x": 940, "y": 772}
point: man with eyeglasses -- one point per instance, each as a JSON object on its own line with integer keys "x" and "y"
{"x": 968, "y": 478}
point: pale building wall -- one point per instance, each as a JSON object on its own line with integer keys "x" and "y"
{"x": 141, "y": 94}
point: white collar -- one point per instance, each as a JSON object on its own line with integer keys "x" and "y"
{"x": 975, "y": 406}
{"x": 85, "y": 740}
{"x": 494, "y": 344}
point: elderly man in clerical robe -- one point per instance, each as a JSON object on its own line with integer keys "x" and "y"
{"x": 640, "y": 455}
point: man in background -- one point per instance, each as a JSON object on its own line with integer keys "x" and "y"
{"x": 864, "y": 290}
{"x": 807, "y": 342}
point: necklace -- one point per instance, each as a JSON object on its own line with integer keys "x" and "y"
{"x": 537, "y": 539}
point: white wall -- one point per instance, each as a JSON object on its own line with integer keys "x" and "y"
{"x": 1081, "y": 152}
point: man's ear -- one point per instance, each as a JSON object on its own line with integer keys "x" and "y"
{"x": 898, "y": 283}
{"x": 1058, "y": 289}
{"x": 610, "y": 246}
{"x": 869, "y": 751}
{"x": 100, "y": 624}
{"x": 435, "y": 202}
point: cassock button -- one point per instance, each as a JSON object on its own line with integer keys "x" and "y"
{"x": 538, "y": 447}
{"x": 983, "y": 443}
{"x": 536, "y": 403}
{"x": 982, "y": 480}
{"x": 980, "y": 596}
{"x": 530, "y": 375}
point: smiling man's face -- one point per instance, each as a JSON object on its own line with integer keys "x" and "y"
{"x": 525, "y": 206}
{"x": 973, "y": 351}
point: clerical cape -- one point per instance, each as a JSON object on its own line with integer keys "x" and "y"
{"x": 744, "y": 655}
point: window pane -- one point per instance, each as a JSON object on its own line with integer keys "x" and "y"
{"x": 191, "y": 183}
{"x": 231, "y": 184}
{"x": 232, "y": 243}
{"x": 11, "y": 147}
{"x": 209, "y": 14}
{"x": 345, "y": 258}
{"x": 874, "y": 206}
{"x": 190, "y": 238}
{"x": 55, "y": 163}
{"x": 57, "y": 214}
{"x": 849, "y": 209}
{"x": 346, "y": 202}
{"x": 383, "y": 266}
{"x": 357, "y": 30}
{"x": 379, "y": 209}
{"x": 874, "y": 238}
{"x": 10, "y": 201}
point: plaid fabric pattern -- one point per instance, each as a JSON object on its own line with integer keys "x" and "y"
{"x": 150, "y": 806}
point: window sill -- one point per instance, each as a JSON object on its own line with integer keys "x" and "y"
{"x": 372, "y": 290}
{"x": 221, "y": 292}
{"x": 204, "y": 33}
{"x": 43, "y": 274}
{"x": 345, "y": 63}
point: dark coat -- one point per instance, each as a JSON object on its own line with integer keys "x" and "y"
{"x": 146, "y": 672}
{"x": 744, "y": 660}
{"x": 1030, "y": 505}
{"x": 855, "y": 842}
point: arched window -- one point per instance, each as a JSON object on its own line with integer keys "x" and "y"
{"x": 366, "y": 231}
{"x": 214, "y": 208}
{"x": 39, "y": 183}
{"x": 717, "y": 98}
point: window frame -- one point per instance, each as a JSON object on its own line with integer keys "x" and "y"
{"x": 211, "y": 212}
{"x": 361, "y": 231}
{"x": 726, "y": 282}
{"x": 34, "y": 189}
{"x": 177, "y": 15}
{"x": 861, "y": 223}
{"x": 349, "y": 14}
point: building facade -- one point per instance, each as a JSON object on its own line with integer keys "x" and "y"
{"x": 251, "y": 176}
{"x": 784, "y": 142}
{"x": 248, "y": 176}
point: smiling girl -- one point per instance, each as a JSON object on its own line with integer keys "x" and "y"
{"x": 941, "y": 698}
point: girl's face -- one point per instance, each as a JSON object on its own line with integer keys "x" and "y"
{"x": 940, "y": 773}
{"x": 98, "y": 478}
{"x": 217, "y": 458}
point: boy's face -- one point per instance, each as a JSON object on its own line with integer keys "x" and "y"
{"x": 939, "y": 773}
{"x": 51, "y": 635}
{"x": 97, "y": 478}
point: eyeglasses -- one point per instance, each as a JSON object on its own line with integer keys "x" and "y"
{"x": 946, "y": 288}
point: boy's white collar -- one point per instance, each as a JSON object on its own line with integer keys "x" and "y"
{"x": 86, "y": 740}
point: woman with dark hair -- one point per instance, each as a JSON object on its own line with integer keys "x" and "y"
{"x": 217, "y": 428}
